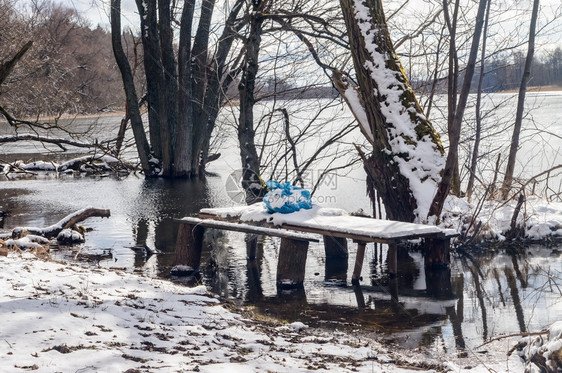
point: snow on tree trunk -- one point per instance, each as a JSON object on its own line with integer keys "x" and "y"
{"x": 407, "y": 155}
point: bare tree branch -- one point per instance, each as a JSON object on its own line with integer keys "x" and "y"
{"x": 7, "y": 67}
{"x": 57, "y": 141}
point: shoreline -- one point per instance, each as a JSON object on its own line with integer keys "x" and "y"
{"x": 121, "y": 112}
{"x": 535, "y": 89}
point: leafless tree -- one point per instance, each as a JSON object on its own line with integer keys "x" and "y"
{"x": 508, "y": 177}
{"x": 274, "y": 142}
{"x": 184, "y": 91}
{"x": 478, "y": 113}
{"x": 451, "y": 165}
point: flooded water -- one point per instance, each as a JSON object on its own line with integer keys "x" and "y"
{"x": 484, "y": 294}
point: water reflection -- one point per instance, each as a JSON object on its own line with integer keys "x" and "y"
{"x": 482, "y": 296}
{"x": 157, "y": 207}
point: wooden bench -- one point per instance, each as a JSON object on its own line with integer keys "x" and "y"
{"x": 295, "y": 232}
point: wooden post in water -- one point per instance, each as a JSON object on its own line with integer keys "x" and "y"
{"x": 292, "y": 262}
{"x": 188, "y": 249}
{"x": 335, "y": 247}
{"x": 437, "y": 252}
{"x": 359, "y": 296}
{"x": 438, "y": 283}
{"x": 358, "y": 262}
{"x": 254, "y": 246}
{"x": 392, "y": 259}
{"x": 336, "y": 259}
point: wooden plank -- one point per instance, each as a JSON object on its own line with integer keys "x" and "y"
{"x": 323, "y": 232}
{"x": 354, "y": 237}
{"x": 364, "y": 227}
{"x": 247, "y": 228}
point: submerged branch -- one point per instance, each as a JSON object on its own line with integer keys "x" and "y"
{"x": 67, "y": 222}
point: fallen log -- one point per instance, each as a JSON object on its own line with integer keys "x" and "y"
{"x": 67, "y": 222}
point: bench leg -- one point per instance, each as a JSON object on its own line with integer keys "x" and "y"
{"x": 359, "y": 297}
{"x": 335, "y": 247}
{"x": 438, "y": 283}
{"x": 292, "y": 262}
{"x": 392, "y": 259}
{"x": 188, "y": 249}
{"x": 336, "y": 259}
{"x": 437, "y": 252}
{"x": 254, "y": 246}
{"x": 358, "y": 263}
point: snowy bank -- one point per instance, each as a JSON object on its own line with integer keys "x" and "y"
{"x": 540, "y": 219}
{"x": 63, "y": 317}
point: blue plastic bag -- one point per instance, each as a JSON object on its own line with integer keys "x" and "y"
{"x": 286, "y": 198}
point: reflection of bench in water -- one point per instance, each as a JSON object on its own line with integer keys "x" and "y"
{"x": 294, "y": 230}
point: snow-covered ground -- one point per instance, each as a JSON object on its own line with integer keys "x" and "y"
{"x": 71, "y": 318}
{"x": 540, "y": 218}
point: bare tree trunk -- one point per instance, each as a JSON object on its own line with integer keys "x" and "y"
{"x": 121, "y": 133}
{"x": 455, "y": 129}
{"x": 478, "y": 133}
{"x": 184, "y": 95}
{"x": 184, "y": 133}
{"x": 246, "y": 87}
{"x": 169, "y": 90}
{"x": 200, "y": 54}
{"x": 219, "y": 75}
{"x": 152, "y": 69}
{"x": 401, "y": 177}
{"x": 452, "y": 82}
{"x": 508, "y": 178}
{"x": 141, "y": 141}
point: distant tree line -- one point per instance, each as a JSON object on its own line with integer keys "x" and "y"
{"x": 504, "y": 73}
{"x": 70, "y": 68}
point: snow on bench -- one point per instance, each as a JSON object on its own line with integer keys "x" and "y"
{"x": 329, "y": 221}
